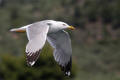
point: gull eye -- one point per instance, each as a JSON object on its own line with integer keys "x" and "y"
{"x": 49, "y": 24}
{"x": 64, "y": 24}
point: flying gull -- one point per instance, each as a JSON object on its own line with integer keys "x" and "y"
{"x": 53, "y": 32}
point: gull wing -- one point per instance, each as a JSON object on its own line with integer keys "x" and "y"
{"x": 36, "y": 34}
{"x": 61, "y": 42}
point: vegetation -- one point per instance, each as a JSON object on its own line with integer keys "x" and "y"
{"x": 15, "y": 68}
{"x": 96, "y": 40}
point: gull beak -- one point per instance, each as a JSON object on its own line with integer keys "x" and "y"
{"x": 71, "y": 27}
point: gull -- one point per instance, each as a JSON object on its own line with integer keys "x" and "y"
{"x": 53, "y": 32}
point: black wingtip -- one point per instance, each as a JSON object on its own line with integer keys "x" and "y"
{"x": 30, "y": 63}
{"x": 67, "y": 73}
{"x": 32, "y": 58}
{"x": 67, "y": 68}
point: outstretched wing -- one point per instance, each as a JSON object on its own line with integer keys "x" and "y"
{"x": 36, "y": 34}
{"x": 61, "y": 42}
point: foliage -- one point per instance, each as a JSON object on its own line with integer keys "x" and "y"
{"x": 95, "y": 42}
{"x": 15, "y": 68}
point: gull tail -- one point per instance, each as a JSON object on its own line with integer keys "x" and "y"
{"x": 21, "y": 29}
{"x": 18, "y": 29}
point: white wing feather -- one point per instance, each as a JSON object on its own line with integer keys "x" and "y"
{"x": 63, "y": 51}
{"x": 36, "y": 34}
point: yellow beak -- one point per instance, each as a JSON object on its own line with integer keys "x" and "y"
{"x": 71, "y": 27}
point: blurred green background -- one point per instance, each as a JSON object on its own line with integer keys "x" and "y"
{"x": 95, "y": 42}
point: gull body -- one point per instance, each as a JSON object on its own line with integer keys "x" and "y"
{"x": 53, "y": 32}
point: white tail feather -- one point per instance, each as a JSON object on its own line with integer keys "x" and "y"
{"x": 21, "y": 28}
{"x": 13, "y": 30}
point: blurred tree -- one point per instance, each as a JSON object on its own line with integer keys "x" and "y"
{"x": 97, "y": 22}
{"x": 15, "y": 68}
{"x": 2, "y": 3}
